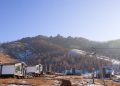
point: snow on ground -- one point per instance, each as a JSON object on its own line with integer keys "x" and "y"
{"x": 75, "y": 52}
{"x": 58, "y": 80}
{"x": 94, "y": 85}
{"x": 81, "y": 52}
{"x": 117, "y": 76}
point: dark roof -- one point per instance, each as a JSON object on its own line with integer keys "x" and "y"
{"x": 10, "y": 63}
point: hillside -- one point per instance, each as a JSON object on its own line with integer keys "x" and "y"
{"x": 53, "y": 51}
{"x": 4, "y": 59}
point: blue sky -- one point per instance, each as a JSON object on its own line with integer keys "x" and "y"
{"x": 97, "y": 20}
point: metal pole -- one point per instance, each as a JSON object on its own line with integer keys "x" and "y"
{"x": 93, "y": 53}
{"x": 93, "y": 76}
{"x": 0, "y": 68}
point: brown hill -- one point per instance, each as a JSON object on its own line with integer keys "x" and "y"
{"x": 4, "y": 59}
{"x": 53, "y": 51}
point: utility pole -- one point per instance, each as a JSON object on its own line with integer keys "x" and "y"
{"x": 93, "y": 69}
{"x": 100, "y": 66}
{"x": 93, "y": 75}
{"x": 0, "y": 68}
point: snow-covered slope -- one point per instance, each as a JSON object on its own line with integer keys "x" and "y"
{"x": 115, "y": 63}
{"x": 75, "y": 52}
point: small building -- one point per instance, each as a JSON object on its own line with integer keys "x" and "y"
{"x": 106, "y": 71}
{"x": 13, "y": 70}
{"x": 73, "y": 71}
{"x": 36, "y": 70}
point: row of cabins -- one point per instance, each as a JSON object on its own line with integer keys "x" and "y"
{"x": 105, "y": 72}
{"x": 20, "y": 70}
{"x": 73, "y": 71}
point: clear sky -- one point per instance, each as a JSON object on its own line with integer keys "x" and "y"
{"x": 97, "y": 20}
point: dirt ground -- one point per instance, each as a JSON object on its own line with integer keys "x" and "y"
{"x": 33, "y": 82}
{"x": 50, "y": 80}
{"x": 108, "y": 83}
{"x": 80, "y": 79}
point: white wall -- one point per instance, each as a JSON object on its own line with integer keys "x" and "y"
{"x": 8, "y": 69}
{"x": 31, "y": 69}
